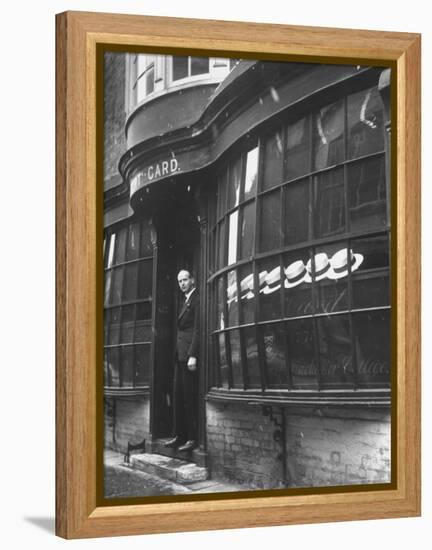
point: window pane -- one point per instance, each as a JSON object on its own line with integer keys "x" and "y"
{"x": 301, "y": 352}
{"x": 111, "y": 250}
{"x": 131, "y": 282}
{"x": 251, "y": 173}
{"x": 370, "y": 279}
{"x": 329, "y": 135}
{"x": 232, "y": 299}
{"x": 221, "y": 245}
{"x": 331, "y": 289}
{"x": 270, "y": 221}
{"x": 149, "y": 80}
{"x": 236, "y": 360}
{"x": 117, "y": 285}
{"x": 143, "y": 332}
{"x": 127, "y": 331}
{"x": 144, "y": 311}
{"x": 234, "y": 183}
{"x": 365, "y": 123}
{"x": 222, "y": 193}
{"x": 199, "y": 65}
{"x": 298, "y": 149}
{"x": 146, "y": 248}
{"x": 180, "y": 67}
{"x": 145, "y": 279}
{"x": 372, "y": 338}
{"x": 247, "y": 295}
{"x": 115, "y": 314}
{"x": 142, "y": 365}
{"x": 273, "y": 161}
{"x": 232, "y": 237}
{"x": 274, "y": 349}
{"x": 251, "y": 350}
{"x": 297, "y": 287}
{"x": 127, "y": 363}
{"x": 247, "y": 230}
{"x": 107, "y": 322}
{"x": 132, "y": 249}
{"x": 329, "y": 215}
{"x": 220, "y": 310}
{"x": 335, "y": 349}
{"x": 108, "y": 282}
{"x": 113, "y": 366}
{"x": 223, "y": 361}
{"x": 114, "y": 334}
{"x": 120, "y": 248}
{"x": 367, "y": 194}
{"x": 297, "y": 212}
{"x": 270, "y": 289}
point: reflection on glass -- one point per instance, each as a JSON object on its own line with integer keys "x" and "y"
{"x": 247, "y": 230}
{"x": 252, "y": 359}
{"x": 298, "y": 149}
{"x": 247, "y": 294}
{"x": 297, "y": 212}
{"x": 365, "y": 123}
{"x": 270, "y": 289}
{"x": 329, "y": 203}
{"x": 251, "y": 173}
{"x": 273, "y": 163}
{"x": 234, "y": 183}
{"x": 224, "y": 377}
{"x": 236, "y": 360}
{"x": 232, "y": 237}
{"x": 372, "y": 340}
{"x": 232, "y": 299}
{"x": 274, "y": 349}
{"x": 127, "y": 363}
{"x": 331, "y": 288}
{"x": 120, "y": 248}
{"x": 142, "y": 365}
{"x": 335, "y": 349}
{"x": 367, "y": 194}
{"x": 329, "y": 135}
{"x": 145, "y": 279}
{"x": 111, "y": 249}
{"x": 270, "y": 226}
{"x": 220, "y": 321}
{"x": 108, "y": 281}
{"x": 301, "y": 353}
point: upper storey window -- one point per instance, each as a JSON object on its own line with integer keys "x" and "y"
{"x": 183, "y": 67}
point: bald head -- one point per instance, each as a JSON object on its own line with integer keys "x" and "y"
{"x": 185, "y": 280}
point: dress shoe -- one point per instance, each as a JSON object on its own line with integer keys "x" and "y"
{"x": 174, "y": 442}
{"x": 188, "y": 446}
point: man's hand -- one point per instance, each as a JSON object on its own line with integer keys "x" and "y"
{"x": 192, "y": 363}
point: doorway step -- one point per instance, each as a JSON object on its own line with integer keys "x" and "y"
{"x": 173, "y": 469}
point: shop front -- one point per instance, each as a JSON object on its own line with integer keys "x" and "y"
{"x": 276, "y": 196}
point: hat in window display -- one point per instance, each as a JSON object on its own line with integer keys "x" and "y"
{"x": 295, "y": 274}
{"x": 323, "y": 267}
{"x": 272, "y": 281}
{"x": 246, "y": 287}
{"x": 344, "y": 259}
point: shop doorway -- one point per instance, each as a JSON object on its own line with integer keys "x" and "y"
{"x": 178, "y": 247}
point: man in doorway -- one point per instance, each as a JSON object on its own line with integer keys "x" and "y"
{"x": 186, "y": 374}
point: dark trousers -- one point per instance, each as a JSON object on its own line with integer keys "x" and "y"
{"x": 185, "y": 402}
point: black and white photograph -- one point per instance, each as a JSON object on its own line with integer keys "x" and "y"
{"x": 247, "y": 283}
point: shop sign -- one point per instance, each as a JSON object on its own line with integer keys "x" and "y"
{"x": 153, "y": 172}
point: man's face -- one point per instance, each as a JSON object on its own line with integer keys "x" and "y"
{"x": 185, "y": 281}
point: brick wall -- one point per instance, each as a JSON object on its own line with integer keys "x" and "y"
{"x": 127, "y": 419}
{"x": 324, "y": 446}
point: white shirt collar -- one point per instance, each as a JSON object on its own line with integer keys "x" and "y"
{"x": 189, "y": 294}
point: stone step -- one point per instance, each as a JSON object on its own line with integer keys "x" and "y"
{"x": 170, "y": 468}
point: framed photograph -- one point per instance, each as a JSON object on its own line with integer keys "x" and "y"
{"x": 238, "y": 275}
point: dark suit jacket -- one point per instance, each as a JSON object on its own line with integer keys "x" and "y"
{"x": 188, "y": 328}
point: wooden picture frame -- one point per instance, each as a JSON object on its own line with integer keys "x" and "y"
{"x": 78, "y": 293}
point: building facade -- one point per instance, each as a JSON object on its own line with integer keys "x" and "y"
{"x": 271, "y": 183}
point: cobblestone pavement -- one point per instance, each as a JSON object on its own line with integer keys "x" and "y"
{"x": 122, "y": 481}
